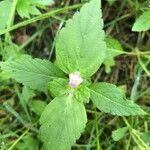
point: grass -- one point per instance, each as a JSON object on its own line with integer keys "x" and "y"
{"x": 36, "y": 36}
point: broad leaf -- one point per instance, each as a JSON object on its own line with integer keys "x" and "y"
{"x": 110, "y": 99}
{"x": 35, "y": 73}
{"x": 59, "y": 87}
{"x": 11, "y": 52}
{"x": 82, "y": 94}
{"x": 62, "y": 122}
{"x": 114, "y": 49}
{"x": 142, "y": 23}
{"x": 80, "y": 45}
{"x": 119, "y": 133}
{"x": 4, "y": 13}
{"x": 23, "y": 8}
{"x": 145, "y": 137}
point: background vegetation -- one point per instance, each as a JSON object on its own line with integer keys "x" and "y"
{"x": 27, "y": 27}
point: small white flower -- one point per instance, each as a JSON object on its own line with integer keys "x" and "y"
{"x": 75, "y": 79}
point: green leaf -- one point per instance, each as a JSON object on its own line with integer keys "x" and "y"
{"x": 119, "y": 133}
{"x": 43, "y": 2}
{"x": 142, "y": 23}
{"x": 37, "y": 106}
{"x": 62, "y": 122}
{"x": 34, "y": 11}
{"x": 110, "y": 99}
{"x": 27, "y": 94}
{"x": 145, "y": 137}
{"x": 28, "y": 143}
{"x": 4, "y": 13}
{"x": 82, "y": 93}
{"x": 59, "y": 87}
{"x": 11, "y": 52}
{"x": 35, "y": 73}
{"x": 80, "y": 45}
{"x": 114, "y": 49}
{"x": 25, "y": 8}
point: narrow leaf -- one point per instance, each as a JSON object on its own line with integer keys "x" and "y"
{"x": 62, "y": 122}
{"x": 110, "y": 99}
{"x": 80, "y": 45}
{"x": 35, "y": 73}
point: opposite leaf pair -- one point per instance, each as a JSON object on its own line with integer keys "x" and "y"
{"x": 80, "y": 47}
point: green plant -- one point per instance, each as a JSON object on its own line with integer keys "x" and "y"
{"x": 25, "y": 8}
{"x": 80, "y": 50}
{"x": 142, "y": 23}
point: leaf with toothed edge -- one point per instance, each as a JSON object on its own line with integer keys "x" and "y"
{"x": 80, "y": 44}
{"x": 35, "y": 73}
{"x": 59, "y": 87}
{"x": 62, "y": 123}
{"x": 110, "y": 99}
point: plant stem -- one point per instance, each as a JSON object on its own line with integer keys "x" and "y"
{"x": 40, "y": 17}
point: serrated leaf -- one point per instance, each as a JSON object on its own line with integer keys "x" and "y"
{"x": 4, "y": 13}
{"x": 110, "y": 99}
{"x": 62, "y": 122}
{"x": 58, "y": 87}
{"x": 114, "y": 49}
{"x": 35, "y": 73}
{"x": 119, "y": 133}
{"x": 80, "y": 45}
{"x": 82, "y": 94}
{"x": 142, "y": 23}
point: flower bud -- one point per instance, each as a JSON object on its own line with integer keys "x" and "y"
{"x": 75, "y": 79}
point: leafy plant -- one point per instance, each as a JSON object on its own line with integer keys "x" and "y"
{"x": 4, "y": 13}
{"x": 30, "y": 7}
{"x": 80, "y": 50}
{"x": 114, "y": 49}
{"x": 143, "y": 22}
{"x": 25, "y": 8}
{"x": 119, "y": 133}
